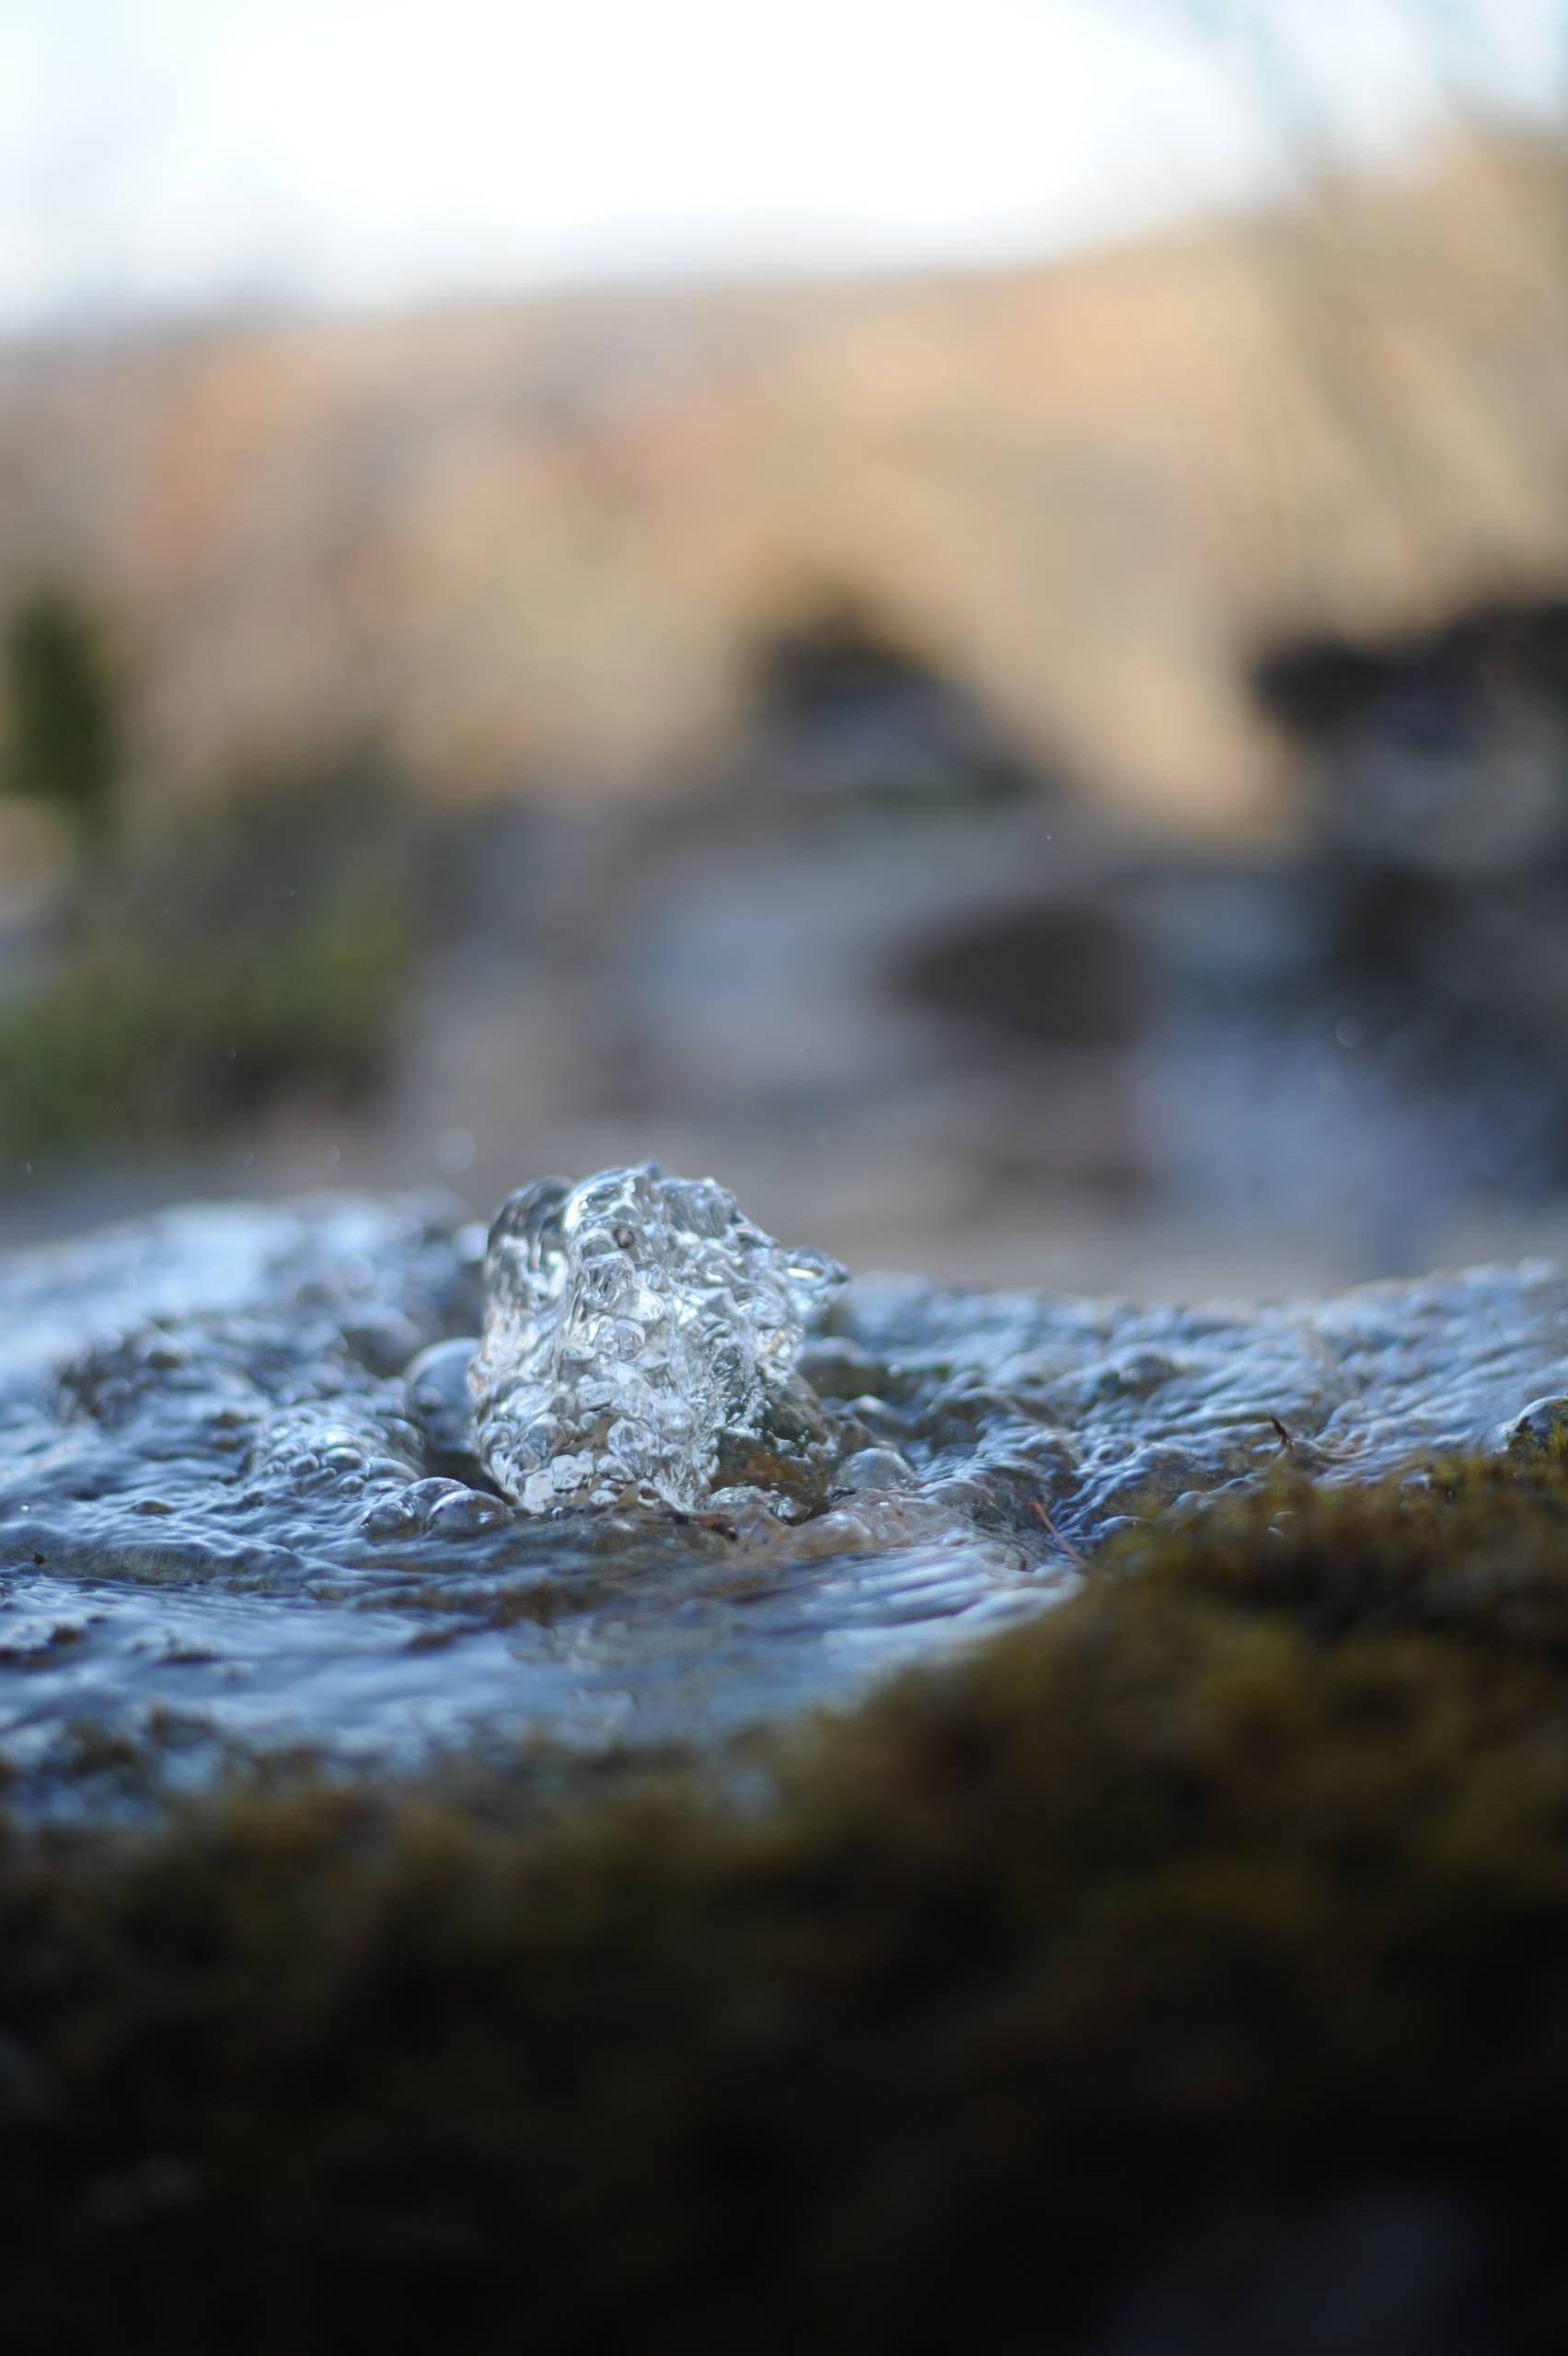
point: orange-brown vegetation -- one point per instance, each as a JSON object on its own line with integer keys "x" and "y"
{"x": 528, "y": 543}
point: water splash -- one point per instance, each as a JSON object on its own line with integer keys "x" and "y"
{"x": 238, "y": 1501}
{"x": 639, "y": 1348}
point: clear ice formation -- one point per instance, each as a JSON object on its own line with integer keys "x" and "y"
{"x": 639, "y": 1348}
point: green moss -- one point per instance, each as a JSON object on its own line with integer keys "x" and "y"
{"x": 1238, "y": 1885}
{"x": 1474, "y": 1549}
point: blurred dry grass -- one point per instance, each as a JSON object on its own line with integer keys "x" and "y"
{"x": 533, "y": 543}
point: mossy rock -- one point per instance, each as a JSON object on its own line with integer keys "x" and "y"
{"x": 1187, "y": 1971}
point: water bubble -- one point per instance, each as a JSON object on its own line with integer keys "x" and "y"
{"x": 876, "y": 1468}
{"x": 464, "y": 1513}
{"x": 455, "y": 1152}
{"x": 394, "y": 1517}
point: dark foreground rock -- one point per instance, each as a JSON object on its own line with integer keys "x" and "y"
{"x": 1185, "y": 1972}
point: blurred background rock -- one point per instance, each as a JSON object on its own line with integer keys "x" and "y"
{"x": 1030, "y": 738}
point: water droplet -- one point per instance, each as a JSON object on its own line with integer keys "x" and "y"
{"x": 455, "y": 1152}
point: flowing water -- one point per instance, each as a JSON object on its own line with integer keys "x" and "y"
{"x": 334, "y": 1474}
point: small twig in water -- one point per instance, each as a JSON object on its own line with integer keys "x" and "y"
{"x": 1073, "y": 1554}
{"x": 1285, "y": 1439}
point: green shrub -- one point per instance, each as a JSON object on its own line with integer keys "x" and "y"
{"x": 138, "y": 1048}
{"x": 65, "y": 732}
{"x": 260, "y": 950}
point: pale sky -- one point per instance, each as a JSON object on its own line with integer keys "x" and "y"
{"x": 165, "y": 155}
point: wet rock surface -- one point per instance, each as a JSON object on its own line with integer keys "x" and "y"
{"x": 238, "y": 1491}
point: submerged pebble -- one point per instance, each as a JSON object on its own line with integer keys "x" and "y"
{"x": 652, "y": 1476}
